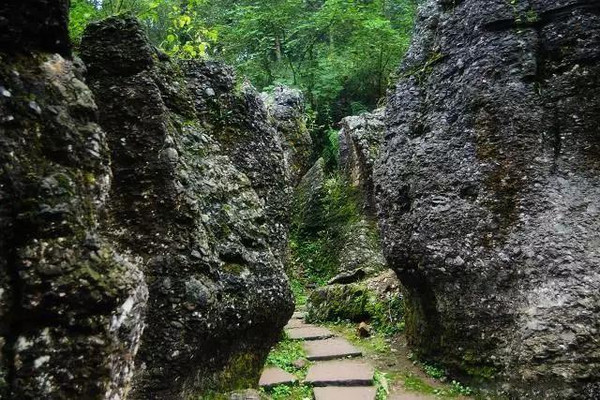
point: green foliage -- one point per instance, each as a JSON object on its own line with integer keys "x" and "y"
{"x": 285, "y": 353}
{"x": 294, "y": 392}
{"x": 339, "y": 52}
{"x": 176, "y": 26}
{"x": 433, "y": 371}
{"x": 315, "y": 249}
{"x": 382, "y": 385}
{"x": 82, "y": 12}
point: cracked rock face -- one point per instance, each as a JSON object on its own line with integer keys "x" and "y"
{"x": 488, "y": 190}
{"x": 203, "y": 222}
{"x": 71, "y": 304}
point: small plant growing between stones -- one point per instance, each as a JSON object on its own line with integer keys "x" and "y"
{"x": 382, "y": 385}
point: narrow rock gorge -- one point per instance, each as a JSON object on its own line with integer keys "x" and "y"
{"x": 488, "y": 187}
{"x": 161, "y": 218}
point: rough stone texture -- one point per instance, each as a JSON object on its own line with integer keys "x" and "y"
{"x": 360, "y": 140}
{"x": 377, "y": 299}
{"x": 361, "y": 254}
{"x": 218, "y": 295}
{"x": 308, "y": 199}
{"x": 35, "y": 25}
{"x": 71, "y": 305}
{"x": 287, "y": 112}
{"x": 489, "y": 186}
{"x": 238, "y": 119}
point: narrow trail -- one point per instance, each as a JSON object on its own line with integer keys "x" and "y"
{"x": 340, "y": 370}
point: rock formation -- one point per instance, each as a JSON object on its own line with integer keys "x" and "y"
{"x": 488, "y": 187}
{"x": 128, "y": 220}
{"x": 287, "y": 110}
{"x": 203, "y": 222}
{"x": 360, "y": 140}
{"x": 238, "y": 120}
{"x": 71, "y": 303}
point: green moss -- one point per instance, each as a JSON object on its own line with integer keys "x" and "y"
{"x": 356, "y": 303}
{"x": 241, "y": 372}
{"x": 234, "y": 269}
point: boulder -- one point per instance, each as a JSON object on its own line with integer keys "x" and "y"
{"x": 360, "y": 140}
{"x": 238, "y": 119}
{"x": 71, "y": 302}
{"x": 198, "y": 218}
{"x": 286, "y": 109}
{"x": 377, "y": 299}
{"x": 308, "y": 200}
{"x": 360, "y": 250}
{"x": 488, "y": 187}
{"x": 202, "y": 222}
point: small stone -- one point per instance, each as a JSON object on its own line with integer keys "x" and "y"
{"x": 300, "y": 363}
{"x": 5, "y": 92}
{"x": 35, "y": 107}
{"x": 364, "y": 330}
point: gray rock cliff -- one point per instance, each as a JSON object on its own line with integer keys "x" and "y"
{"x": 488, "y": 190}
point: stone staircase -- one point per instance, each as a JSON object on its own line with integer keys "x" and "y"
{"x": 338, "y": 372}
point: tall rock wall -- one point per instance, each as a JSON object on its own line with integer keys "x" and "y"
{"x": 138, "y": 251}
{"x": 202, "y": 221}
{"x": 488, "y": 190}
{"x": 71, "y": 302}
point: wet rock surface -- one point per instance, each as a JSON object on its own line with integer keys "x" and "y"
{"x": 200, "y": 212}
{"x": 71, "y": 302}
{"x": 488, "y": 187}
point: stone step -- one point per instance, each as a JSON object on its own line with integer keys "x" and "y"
{"x": 298, "y": 315}
{"x": 330, "y": 349}
{"x": 274, "y": 376}
{"x": 340, "y": 373}
{"x": 309, "y": 332}
{"x": 345, "y": 393}
{"x": 295, "y": 323}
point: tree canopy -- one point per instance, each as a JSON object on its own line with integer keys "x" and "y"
{"x": 339, "y": 52}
